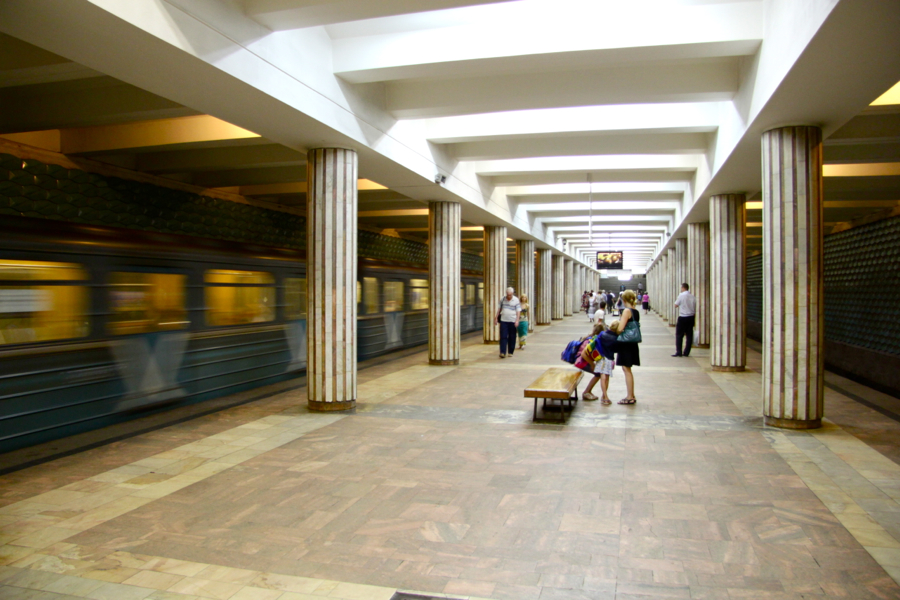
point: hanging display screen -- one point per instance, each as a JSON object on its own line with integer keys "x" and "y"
{"x": 610, "y": 259}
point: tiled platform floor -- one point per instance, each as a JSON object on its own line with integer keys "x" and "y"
{"x": 440, "y": 483}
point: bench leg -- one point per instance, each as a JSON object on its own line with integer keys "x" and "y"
{"x": 534, "y": 416}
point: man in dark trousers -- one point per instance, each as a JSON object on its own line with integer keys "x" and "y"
{"x": 687, "y": 308}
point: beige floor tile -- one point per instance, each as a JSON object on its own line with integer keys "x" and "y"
{"x": 153, "y": 579}
{"x": 255, "y": 593}
{"x": 73, "y": 586}
{"x": 117, "y": 591}
{"x": 205, "y": 588}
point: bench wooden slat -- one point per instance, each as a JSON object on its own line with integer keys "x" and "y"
{"x": 556, "y": 382}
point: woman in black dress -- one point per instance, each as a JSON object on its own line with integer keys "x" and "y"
{"x": 627, "y": 354}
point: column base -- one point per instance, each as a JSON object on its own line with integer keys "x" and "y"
{"x": 443, "y": 363}
{"x": 728, "y": 369}
{"x": 702, "y": 346}
{"x": 488, "y": 342}
{"x": 557, "y": 319}
{"x": 672, "y": 324}
{"x": 792, "y": 423}
{"x": 316, "y": 406}
{"x": 547, "y": 323}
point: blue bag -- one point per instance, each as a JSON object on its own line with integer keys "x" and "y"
{"x": 572, "y": 351}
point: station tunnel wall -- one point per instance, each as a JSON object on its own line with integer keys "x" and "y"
{"x": 862, "y": 303}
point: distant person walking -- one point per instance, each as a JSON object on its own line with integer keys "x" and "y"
{"x": 522, "y": 329}
{"x": 592, "y": 307}
{"x": 687, "y": 308}
{"x": 645, "y": 302}
{"x": 508, "y": 318}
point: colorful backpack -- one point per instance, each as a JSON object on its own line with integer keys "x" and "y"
{"x": 572, "y": 351}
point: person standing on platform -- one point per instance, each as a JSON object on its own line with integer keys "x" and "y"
{"x": 628, "y": 354}
{"x": 522, "y": 328}
{"x": 592, "y": 307}
{"x": 508, "y": 318}
{"x": 687, "y": 308}
{"x": 645, "y": 302}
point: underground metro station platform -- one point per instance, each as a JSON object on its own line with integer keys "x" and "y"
{"x": 252, "y": 253}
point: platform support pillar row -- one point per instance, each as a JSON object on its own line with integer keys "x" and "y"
{"x": 444, "y": 269}
{"x": 331, "y": 259}
{"x": 698, "y": 278}
{"x": 525, "y": 276}
{"x": 793, "y": 277}
{"x": 728, "y": 288}
{"x": 494, "y": 279}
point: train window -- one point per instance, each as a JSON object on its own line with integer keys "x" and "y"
{"x": 239, "y": 297}
{"x": 462, "y": 294}
{"x": 370, "y": 294}
{"x": 393, "y": 296}
{"x": 470, "y": 293}
{"x": 481, "y": 293}
{"x": 358, "y": 292}
{"x": 295, "y": 298}
{"x": 418, "y": 289}
{"x": 146, "y": 302}
{"x": 42, "y": 301}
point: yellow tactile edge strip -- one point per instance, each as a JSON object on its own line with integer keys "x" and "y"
{"x": 811, "y": 454}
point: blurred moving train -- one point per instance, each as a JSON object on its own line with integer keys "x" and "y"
{"x": 98, "y": 323}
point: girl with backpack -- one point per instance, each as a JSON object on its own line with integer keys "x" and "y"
{"x": 597, "y": 359}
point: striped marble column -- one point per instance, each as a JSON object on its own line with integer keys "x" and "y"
{"x": 672, "y": 286}
{"x": 681, "y": 271}
{"x": 544, "y": 286}
{"x": 661, "y": 286}
{"x": 525, "y": 275}
{"x": 698, "y": 277}
{"x": 567, "y": 287}
{"x": 559, "y": 287}
{"x": 727, "y": 289}
{"x": 494, "y": 279}
{"x": 444, "y": 269}
{"x": 793, "y": 275}
{"x": 331, "y": 255}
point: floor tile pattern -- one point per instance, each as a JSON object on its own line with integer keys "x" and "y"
{"x": 441, "y": 483}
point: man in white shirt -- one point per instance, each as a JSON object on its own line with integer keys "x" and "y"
{"x": 687, "y": 308}
{"x": 508, "y": 318}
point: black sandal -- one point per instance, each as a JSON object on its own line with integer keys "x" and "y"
{"x": 627, "y": 401}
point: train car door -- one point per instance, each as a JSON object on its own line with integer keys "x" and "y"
{"x": 147, "y": 320}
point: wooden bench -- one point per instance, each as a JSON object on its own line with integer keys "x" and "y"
{"x": 557, "y": 383}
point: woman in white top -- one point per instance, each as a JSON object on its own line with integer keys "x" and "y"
{"x": 592, "y": 307}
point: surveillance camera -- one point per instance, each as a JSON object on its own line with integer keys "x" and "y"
{"x": 440, "y": 178}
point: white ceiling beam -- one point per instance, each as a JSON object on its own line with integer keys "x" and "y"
{"x": 706, "y": 80}
{"x": 577, "y": 34}
{"x": 615, "y": 187}
{"x": 648, "y": 118}
{"x": 586, "y": 164}
{"x": 280, "y": 15}
{"x": 579, "y": 145}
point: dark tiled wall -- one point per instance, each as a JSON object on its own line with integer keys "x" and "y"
{"x": 31, "y": 188}
{"x": 862, "y": 282}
